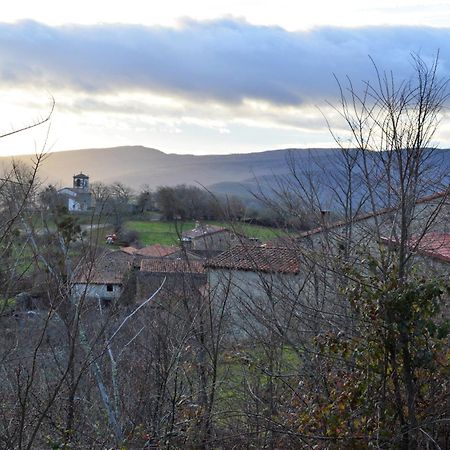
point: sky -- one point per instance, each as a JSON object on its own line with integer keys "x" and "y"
{"x": 204, "y": 76}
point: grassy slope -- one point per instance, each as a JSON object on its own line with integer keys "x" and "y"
{"x": 166, "y": 233}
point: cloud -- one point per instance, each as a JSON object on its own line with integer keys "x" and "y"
{"x": 228, "y": 61}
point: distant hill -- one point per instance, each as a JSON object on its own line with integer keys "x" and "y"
{"x": 230, "y": 174}
{"x": 136, "y": 166}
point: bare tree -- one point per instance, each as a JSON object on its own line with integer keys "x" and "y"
{"x": 365, "y": 302}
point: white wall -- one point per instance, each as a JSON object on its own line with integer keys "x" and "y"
{"x": 96, "y": 291}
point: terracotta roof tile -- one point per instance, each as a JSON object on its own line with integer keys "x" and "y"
{"x": 129, "y": 250}
{"x": 152, "y": 251}
{"x": 165, "y": 265}
{"x": 434, "y": 245}
{"x": 157, "y": 251}
{"x": 260, "y": 259}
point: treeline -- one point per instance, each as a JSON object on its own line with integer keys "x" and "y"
{"x": 183, "y": 202}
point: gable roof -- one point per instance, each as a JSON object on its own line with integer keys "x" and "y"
{"x": 286, "y": 241}
{"x": 380, "y": 212}
{"x": 129, "y": 250}
{"x": 80, "y": 175}
{"x": 171, "y": 266}
{"x": 108, "y": 268}
{"x": 201, "y": 231}
{"x": 257, "y": 259}
{"x": 152, "y": 251}
{"x": 434, "y": 244}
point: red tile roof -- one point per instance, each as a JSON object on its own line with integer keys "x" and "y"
{"x": 258, "y": 259}
{"x": 436, "y": 245}
{"x": 171, "y": 266}
{"x": 152, "y": 251}
{"x": 433, "y": 244}
{"x": 129, "y": 250}
{"x": 157, "y": 251}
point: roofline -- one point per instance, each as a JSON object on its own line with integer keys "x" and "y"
{"x": 255, "y": 269}
{"x": 204, "y": 234}
{"x": 176, "y": 272}
{"x": 434, "y": 255}
{"x": 214, "y": 232}
{"x": 418, "y": 250}
{"x": 380, "y": 212}
{"x": 210, "y": 264}
{"x": 187, "y": 267}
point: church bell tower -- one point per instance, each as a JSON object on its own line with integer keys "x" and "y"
{"x": 81, "y": 181}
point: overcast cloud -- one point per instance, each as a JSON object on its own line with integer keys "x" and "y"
{"x": 216, "y": 86}
{"x": 223, "y": 60}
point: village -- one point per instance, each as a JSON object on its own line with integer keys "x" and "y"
{"x": 207, "y": 250}
{"x": 220, "y": 311}
{"x": 277, "y": 276}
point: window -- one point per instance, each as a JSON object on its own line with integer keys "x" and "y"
{"x": 106, "y": 302}
{"x": 109, "y": 287}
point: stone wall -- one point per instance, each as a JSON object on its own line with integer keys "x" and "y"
{"x": 97, "y": 291}
{"x": 186, "y": 284}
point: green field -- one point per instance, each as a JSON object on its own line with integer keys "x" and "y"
{"x": 167, "y": 233}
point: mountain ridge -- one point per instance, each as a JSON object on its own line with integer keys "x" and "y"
{"x": 137, "y": 165}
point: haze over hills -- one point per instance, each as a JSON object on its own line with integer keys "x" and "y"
{"x": 136, "y": 166}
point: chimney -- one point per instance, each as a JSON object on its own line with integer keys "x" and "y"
{"x": 325, "y": 216}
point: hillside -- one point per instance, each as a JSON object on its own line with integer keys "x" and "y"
{"x": 231, "y": 174}
{"x": 136, "y": 166}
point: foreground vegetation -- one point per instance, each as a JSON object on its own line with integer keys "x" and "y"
{"x": 349, "y": 352}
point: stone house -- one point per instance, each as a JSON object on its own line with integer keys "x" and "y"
{"x": 363, "y": 233}
{"x": 433, "y": 245}
{"x": 301, "y": 279}
{"x": 385, "y": 221}
{"x": 257, "y": 287}
{"x": 158, "y": 251}
{"x": 431, "y": 254}
{"x": 210, "y": 240}
{"x": 183, "y": 278}
{"x": 104, "y": 278}
{"x": 133, "y": 274}
{"x": 329, "y": 249}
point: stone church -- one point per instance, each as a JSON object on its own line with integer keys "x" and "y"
{"x": 78, "y": 197}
